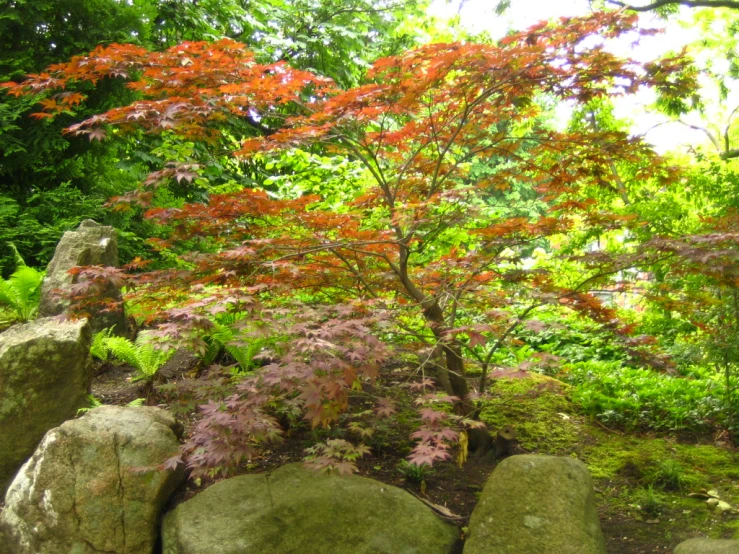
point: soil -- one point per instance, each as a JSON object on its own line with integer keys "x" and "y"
{"x": 113, "y": 383}
{"x": 452, "y": 491}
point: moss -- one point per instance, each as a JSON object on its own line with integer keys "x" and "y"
{"x": 538, "y": 407}
{"x": 625, "y": 466}
{"x": 733, "y": 528}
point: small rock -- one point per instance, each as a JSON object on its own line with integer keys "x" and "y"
{"x": 722, "y": 507}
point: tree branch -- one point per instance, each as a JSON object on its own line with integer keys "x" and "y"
{"x": 734, "y": 5}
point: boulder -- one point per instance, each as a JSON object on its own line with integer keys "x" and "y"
{"x": 93, "y": 485}
{"x": 536, "y": 504}
{"x": 708, "y": 546}
{"x": 293, "y": 509}
{"x": 90, "y": 244}
{"x": 44, "y": 378}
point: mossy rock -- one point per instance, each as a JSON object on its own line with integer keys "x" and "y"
{"x": 708, "y": 546}
{"x": 536, "y": 504}
{"x": 84, "y": 492}
{"x": 294, "y": 509}
{"x": 539, "y": 409}
{"x": 45, "y": 377}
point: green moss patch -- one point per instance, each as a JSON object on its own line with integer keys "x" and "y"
{"x": 540, "y": 410}
{"x": 643, "y": 480}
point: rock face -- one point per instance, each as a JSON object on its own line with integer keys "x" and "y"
{"x": 90, "y": 244}
{"x": 295, "y": 510}
{"x": 44, "y": 378}
{"x": 536, "y": 504}
{"x": 81, "y": 492}
{"x": 707, "y": 546}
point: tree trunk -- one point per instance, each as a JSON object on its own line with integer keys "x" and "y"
{"x": 451, "y": 374}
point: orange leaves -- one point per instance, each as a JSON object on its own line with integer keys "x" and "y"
{"x": 186, "y": 86}
{"x": 42, "y": 115}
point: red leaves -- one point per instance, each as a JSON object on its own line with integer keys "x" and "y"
{"x": 187, "y": 86}
{"x": 385, "y": 407}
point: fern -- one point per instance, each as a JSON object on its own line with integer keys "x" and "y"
{"x": 98, "y": 348}
{"x": 224, "y": 338}
{"x": 19, "y": 261}
{"x": 94, "y": 403}
{"x": 21, "y": 292}
{"x": 143, "y": 354}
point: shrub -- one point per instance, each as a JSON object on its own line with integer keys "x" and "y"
{"x": 639, "y": 398}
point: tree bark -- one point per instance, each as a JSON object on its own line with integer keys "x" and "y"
{"x": 452, "y": 374}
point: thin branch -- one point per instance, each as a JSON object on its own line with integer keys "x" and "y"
{"x": 355, "y": 271}
{"x": 689, "y": 3}
{"x": 499, "y": 343}
{"x": 708, "y": 133}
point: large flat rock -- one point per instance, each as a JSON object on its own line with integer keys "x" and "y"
{"x": 295, "y": 510}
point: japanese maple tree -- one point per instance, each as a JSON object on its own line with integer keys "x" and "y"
{"x": 442, "y": 132}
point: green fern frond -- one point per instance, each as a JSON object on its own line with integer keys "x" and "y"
{"x": 226, "y": 337}
{"x": 244, "y": 354}
{"x": 98, "y": 348}
{"x": 17, "y": 258}
{"x": 21, "y": 292}
{"x": 142, "y": 354}
{"x": 124, "y": 350}
{"x": 94, "y": 403}
{"x": 215, "y": 341}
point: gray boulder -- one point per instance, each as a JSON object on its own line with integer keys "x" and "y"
{"x": 90, "y": 244}
{"x": 708, "y": 546}
{"x": 295, "y": 510}
{"x": 536, "y": 504}
{"x": 44, "y": 378}
{"x": 92, "y": 486}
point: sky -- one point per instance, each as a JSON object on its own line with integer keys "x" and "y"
{"x": 479, "y": 15}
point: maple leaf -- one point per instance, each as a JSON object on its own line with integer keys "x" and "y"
{"x": 97, "y": 134}
{"x": 385, "y": 407}
{"x": 432, "y": 416}
{"x": 476, "y": 339}
{"x": 171, "y": 464}
{"x": 42, "y": 115}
